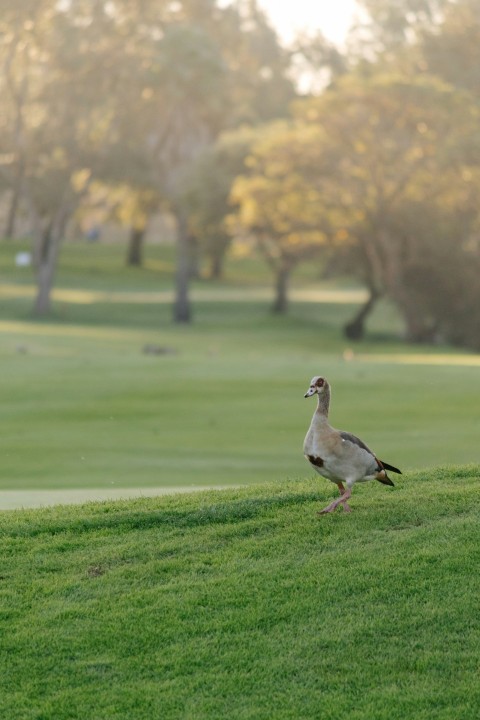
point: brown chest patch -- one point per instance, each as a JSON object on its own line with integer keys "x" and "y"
{"x": 315, "y": 460}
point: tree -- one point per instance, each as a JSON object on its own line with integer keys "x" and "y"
{"x": 279, "y": 203}
{"x": 189, "y": 74}
{"x": 354, "y": 164}
{"x": 241, "y": 75}
{"x": 396, "y": 142}
{"x": 261, "y": 87}
{"x": 185, "y": 101}
{"x": 63, "y": 92}
{"x": 127, "y": 94}
{"x": 15, "y": 54}
{"x": 443, "y": 275}
{"x": 452, "y": 49}
{"x": 316, "y": 63}
{"x": 207, "y": 191}
{"x": 389, "y": 26}
{"x": 19, "y": 83}
{"x": 133, "y": 208}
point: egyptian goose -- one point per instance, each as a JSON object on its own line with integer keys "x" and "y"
{"x": 339, "y": 456}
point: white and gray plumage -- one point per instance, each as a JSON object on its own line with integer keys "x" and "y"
{"x": 339, "y": 456}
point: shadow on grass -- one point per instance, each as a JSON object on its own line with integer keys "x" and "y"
{"x": 113, "y": 519}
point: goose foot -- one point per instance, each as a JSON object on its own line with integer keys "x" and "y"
{"x": 330, "y": 508}
{"x": 342, "y": 500}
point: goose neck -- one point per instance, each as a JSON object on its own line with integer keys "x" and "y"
{"x": 323, "y": 404}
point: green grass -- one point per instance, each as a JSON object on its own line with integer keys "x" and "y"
{"x": 83, "y": 407}
{"x": 243, "y": 604}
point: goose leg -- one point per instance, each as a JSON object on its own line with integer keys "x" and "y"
{"x": 345, "y": 494}
{"x": 345, "y": 505}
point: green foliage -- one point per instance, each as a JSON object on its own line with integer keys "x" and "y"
{"x": 392, "y": 25}
{"x": 127, "y": 95}
{"x": 245, "y": 604}
{"x": 453, "y": 50}
{"x": 206, "y": 194}
{"x": 261, "y": 88}
{"x": 278, "y": 201}
{"x": 358, "y": 170}
{"x": 133, "y": 95}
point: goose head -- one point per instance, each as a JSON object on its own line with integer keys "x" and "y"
{"x": 318, "y": 385}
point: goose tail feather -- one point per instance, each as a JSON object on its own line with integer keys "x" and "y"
{"x": 385, "y": 480}
{"x": 390, "y": 467}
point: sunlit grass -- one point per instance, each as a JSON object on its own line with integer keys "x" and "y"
{"x": 453, "y": 358}
{"x": 46, "y": 330}
{"x": 212, "y": 294}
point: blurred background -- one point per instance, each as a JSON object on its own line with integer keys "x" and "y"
{"x": 204, "y": 203}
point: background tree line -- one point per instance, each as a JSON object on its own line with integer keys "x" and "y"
{"x": 195, "y": 107}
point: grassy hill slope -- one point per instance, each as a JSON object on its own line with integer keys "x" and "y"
{"x": 244, "y": 604}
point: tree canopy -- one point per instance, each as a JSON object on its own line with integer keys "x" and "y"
{"x": 368, "y": 155}
{"x": 127, "y": 94}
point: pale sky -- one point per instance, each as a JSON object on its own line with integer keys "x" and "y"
{"x": 332, "y": 17}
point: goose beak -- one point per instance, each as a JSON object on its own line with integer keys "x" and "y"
{"x": 310, "y": 392}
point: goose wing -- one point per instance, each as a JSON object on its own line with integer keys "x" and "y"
{"x": 349, "y": 437}
{"x": 381, "y": 467}
{"x": 354, "y": 440}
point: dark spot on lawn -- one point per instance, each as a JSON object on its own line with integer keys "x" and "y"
{"x": 95, "y": 571}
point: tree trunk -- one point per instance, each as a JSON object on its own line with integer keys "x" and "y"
{"x": 135, "y": 247}
{"x": 181, "y": 308}
{"x": 12, "y": 210}
{"x": 45, "y": 277}
{"x": 47, "y": 261}
{"x": 45, "y": 273}
{"x": 280, "y": 304}
{"x": 216, "y": 265}
{"x": 418, "y": 328}
{"x": 355, "y": 329}
{"x": 36, "y": 227}
{"x": 193, "y": 257}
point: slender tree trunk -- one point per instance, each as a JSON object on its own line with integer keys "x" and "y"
{"x": 47, "y": 261}
{"x": 355, "y": 329}
{"x": 36, "y": 226}
{"x": 216, "y": 267}
{"x": 45, "y": 278}
{"x": 14, "y": 202}
{"x": 217, "y": 260}
{"x": 280, "y": 304}
{"x": 194, "y": 257}
{"x": 45, "y": 273}
{"x": 135, "y": 246}
{"x": 181, "y": 309}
